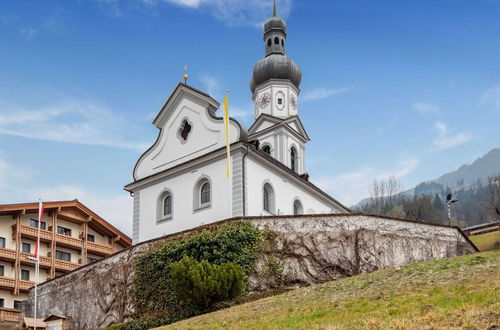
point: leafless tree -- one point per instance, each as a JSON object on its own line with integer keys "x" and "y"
{"x": 385, "y": 196}
{"x": 493, "y": 196}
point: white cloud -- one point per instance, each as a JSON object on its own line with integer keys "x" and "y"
{"x": 322, "y": 93}
{"x": 445, "y": 141}
{"x": 69, "y": 121}
{"x": 211, "y": 86}
{"x": 427, "y": 108}
{"x": 350, "y": 188}
{"x": 28, "y": 33}
{"x": 491, "y": 97}
{"x": 233, "y": 12}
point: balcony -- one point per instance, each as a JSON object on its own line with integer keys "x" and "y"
{"x": 69, "y": 241}
{"x": 99, "y": 249}
{"x": 7, "y": 254}
{"x": 65, "y": 266}
{"x": 10, "y": 315}
{"x": 8, "y": 283}
{"x": 31, "y": 232}
{"x": 44, "y": 261}
{"x": 25, "y": 285}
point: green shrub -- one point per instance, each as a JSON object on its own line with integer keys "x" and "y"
{"x": 204, "y": 283}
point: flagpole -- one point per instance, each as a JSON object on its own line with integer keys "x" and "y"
{"x": 228, "y": 151}
{"x": 37, "y": 258}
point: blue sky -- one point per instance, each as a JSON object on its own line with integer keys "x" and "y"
{"x": 407, "y": 88}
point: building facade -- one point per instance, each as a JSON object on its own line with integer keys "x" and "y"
{"x": 180, "y": 182}
{"x": 71, "y": 236}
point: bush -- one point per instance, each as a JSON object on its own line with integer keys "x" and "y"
{"x": 204, "y": 283}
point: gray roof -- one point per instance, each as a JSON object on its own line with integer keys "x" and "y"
{"x": 275, "y": 66}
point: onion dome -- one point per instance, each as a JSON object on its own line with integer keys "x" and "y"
{"x": 275, "y": 66}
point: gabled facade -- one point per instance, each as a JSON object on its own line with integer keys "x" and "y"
{"x": 180, "y": 181}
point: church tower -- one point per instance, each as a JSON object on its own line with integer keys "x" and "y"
{"x": 275, "y": 87}
{"x": 276, "y": 78}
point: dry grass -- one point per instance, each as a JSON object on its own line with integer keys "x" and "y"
{"x": 487, "y": 242}
{"x": 458, "y": 293}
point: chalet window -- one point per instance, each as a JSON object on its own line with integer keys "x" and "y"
{"x": 91, "y": 260}
{"x": 63, "y": 231}
{"x": 25, "y": 275}
{"x": 26, "y": 247}
{"x": 2, "y": 302}
{"x": 65, "y": 256}
{"x": 2, "y": 270}
{"x": 18, "y": 304}
{"x": 268, "y": 198}
{"x": 34, "y": 224}
{"x": 90, "y": 238}
{"x": 297, "y": 208}
{"x": 2, "y": 242}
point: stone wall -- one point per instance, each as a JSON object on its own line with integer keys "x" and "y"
{"x": 303, "y": 250}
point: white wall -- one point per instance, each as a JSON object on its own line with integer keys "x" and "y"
{"x": 285, "y": 193}
{"x": 6, "y": 223}
{"x": 9, "y": 298}
{"x": 184, "y": 216}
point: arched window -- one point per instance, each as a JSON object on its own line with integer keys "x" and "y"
{"x": 282, "y": 43}
{"x": 293, "y": 159}
{"x": 267, "y": 149}
{"x": 276, "y": 41}
{"x": 165, "y": 205}
{"x": 269, "y": 42}
{"x": 297, "y": 208}
{"x": 202, "y": 194}
{"x": 268, "y": 198}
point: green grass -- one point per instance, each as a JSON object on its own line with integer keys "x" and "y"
{"x": 458, "y": 293}
{"x": 487, "y": 242}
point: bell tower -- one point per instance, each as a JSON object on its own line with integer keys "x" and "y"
{"x": 276, "y": 78}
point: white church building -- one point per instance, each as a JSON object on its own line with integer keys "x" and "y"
{"x": 180, "y": 181}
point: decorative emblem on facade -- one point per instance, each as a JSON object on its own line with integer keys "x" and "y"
{"x": 293, "y": 102}
{"x": 184, "y": 130}
{"x": 264, "y": 100}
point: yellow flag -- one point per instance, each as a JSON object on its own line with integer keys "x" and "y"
{"x": 226, "y": 123}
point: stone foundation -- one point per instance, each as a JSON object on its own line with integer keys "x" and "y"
{"x": 304, "y": 250}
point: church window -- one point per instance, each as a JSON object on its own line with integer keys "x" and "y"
{"x": 267, "y": 149}
{"x": 280, "y": 101}
{"x": 293, "y": 159}
{"x": 202, "y": 194}
{"x": 277, "y": 41}
{"x": 297, "y": 208}
{"x": 185, "y": 130}
{"x": 268, "y": 42}
{"x": 165, "y": 206}
{"x": 268, "y": 198}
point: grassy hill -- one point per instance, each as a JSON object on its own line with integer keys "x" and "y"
{"x": 458, "y": 293}
{"x": 487, "y": 242}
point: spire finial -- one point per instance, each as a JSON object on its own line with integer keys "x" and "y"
{"x": 274, "y": 9}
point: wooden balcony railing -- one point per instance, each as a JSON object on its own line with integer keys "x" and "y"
{"x": 10, "y": 315}
{"x": 7, "y": 282}
{"x": 66, "y": 266}
{"x": 25, "y": 285}
{"x": 69, "y": 241}
{"x": 31, "y": 232}
{"x": 7, "y": 254}
{"x": 44, "y": 261}
{"x": 99, "y": 248}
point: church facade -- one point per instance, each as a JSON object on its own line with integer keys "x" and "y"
{"x": 180, "y": 181}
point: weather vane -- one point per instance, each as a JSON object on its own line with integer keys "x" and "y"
{"x": 185, "y": 76}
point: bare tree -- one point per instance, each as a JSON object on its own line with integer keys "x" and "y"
{"x": 385, "y": 195}
{"x": 493, "y": 196}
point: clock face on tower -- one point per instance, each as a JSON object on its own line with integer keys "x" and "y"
{"x": 264, "y": 100}
{"x": 293, "y": 102}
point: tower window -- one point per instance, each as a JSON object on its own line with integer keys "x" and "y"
{"x": 269, "y": 42}
{"x": 280, "y": 101}
{"x": 267, "y": 150}
{"x": 277, "y": 41}
{"x": 293, "y": 159}
{"x": 282, "y": 43}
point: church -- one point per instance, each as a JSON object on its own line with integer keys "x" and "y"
{"x": 180, "y": 182}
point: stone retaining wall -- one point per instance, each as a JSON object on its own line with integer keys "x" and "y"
{"x": 307, "y": 250}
